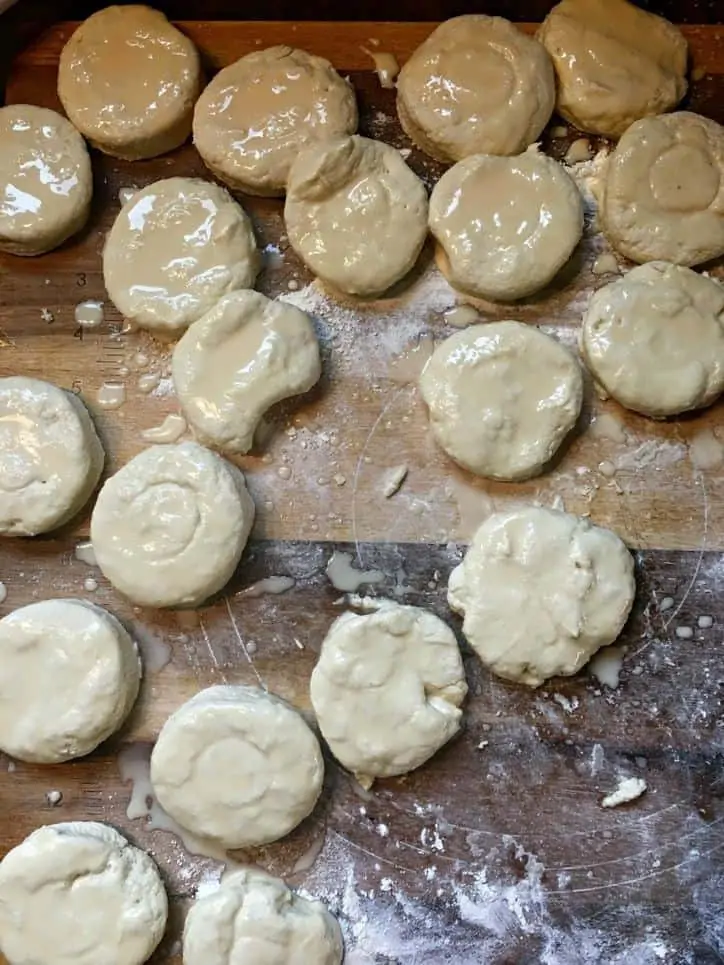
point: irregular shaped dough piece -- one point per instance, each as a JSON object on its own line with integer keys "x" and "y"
{"x": 540, "y": 592}
{"x": 664, "y": 190}
{"x": 506, "y": 225}
{"x": 256, "y": 919}
{"x": 477, "y": 85}
{"x": 237, "y": 361}
{"x": 69, "y": 676}
{"x": 237, "y": 766}
{"x": 170, "y": 527}
{"x": 387, "y": 689}
{"x": 355, "y": 213}
{"x": 176, "y": 247}
{"x": 50, "y": 456}
{"x": 80, "y": 894}
{"x": 655, "y": 339}
{"x": 46, "y": 180}
{"x": 258, "y": 113}
{"x": 128, "y": 80}
{"x": 614, "y": 62}
{"x": 502, "y": 398}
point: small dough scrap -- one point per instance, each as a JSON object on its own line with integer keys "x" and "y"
{"x": 477, "y": 85}
{"x": 540, "y": 592}
{"x": 664, "y": 190}
{"x": 238, "y": 360}
{"x": 258, "y": 113}
{"x": 50, "y": 456}
{"x": 176, "y": 247}
{"x": 506, "y": 226}
{"x": 46, "y": 180}
{"x": 356, "y": 214}
{"x": 237, "y": 766}
{"x": 80, "y": 894}
{"x": 169, "y": 528}
{"x": 69, "y": 676}
{"x": 614, "y": 62}
{"x": 255, "y": 919}
{"x": 387, "y": 689}
{"x": 655, "y": 339}
{"x": 128, "y": 80}
{"x": 502, "y": 398}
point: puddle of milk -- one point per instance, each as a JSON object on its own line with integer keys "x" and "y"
{"x": 270, "y": 584}
{"x": 84, "y": 552}
{"x": 386, "y": 67}
{"x": 344, "y": 577}
{"x": 705, "y": 450}
{"x": 460, "y": 316}
{"x": 111, "y": 395}
{"x": 170, "y": 430}
{"x": 606, "y": 665}
{"x": 89, "y": 314}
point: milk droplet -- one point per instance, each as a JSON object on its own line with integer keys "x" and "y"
{"x": 89, "y": 314}
{"x": 111, "y": 395}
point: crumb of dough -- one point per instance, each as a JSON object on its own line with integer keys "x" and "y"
{"x": 629, "y": 788}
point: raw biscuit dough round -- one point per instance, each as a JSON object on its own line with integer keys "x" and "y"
{"x": 540, "y": 592}
{"x": 176, "y": 247}
{"x": 254, "y": 918}
{"x": 69, "y": 676}
{"x": 664, "y": 190}
{"x": 169, "y": 528}
{"x": 505, "y": 226}
{"x": 50, "y": 456}
{"x": 258, "y": 113}
{"x": 356, "y": 214}
{"x": 128, "y": 80}
{"x": 614, "y": 63}
{"x": 238, "y": 360}
{"x": 237, "y": 766}
{"x": 46, "y": 180}
{"x": 477, "y": 85}
{"x": 79, "y": 893}
{"x": 654, "y": 339}
{"x": 502, "y": 398}
{"x": 387, "y": 689}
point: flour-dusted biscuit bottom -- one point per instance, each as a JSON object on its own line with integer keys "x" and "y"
{"x": 176, "y": 248}
{"x": 387, "y": 689}
{"x": 356, "y": 214}
{"x": 477, "y": 85}
{"x": 69, "y": 676}
{"x": 505, "y": 226}
{"x": 242, "y": 357}
{"x": 169, "y": 528}
{"x": 258, "y": 113}
{"x": 502, "y": 397}
{"x": 128, "y": 80}
{"x": 540, "y": 592}
{"x": 664, "y": 190}
{"x": 254, "y": 918}
{"x": 46, "y": 181}
{"x": 80, "y": 894}
{"x": 237, "y": 766}
{"x": 50, "y": 456}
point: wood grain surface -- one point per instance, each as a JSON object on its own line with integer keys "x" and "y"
{"x": 497, "y": 851}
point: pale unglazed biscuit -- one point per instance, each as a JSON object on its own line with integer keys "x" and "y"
{"x": 614, "y": 62}
{"x": 664, "y": 190}
{"x": 477, "y": 85}
{"x": 69, "y": 676}
{"x": 50, "y": 456}
{"x": 128, "y": 80}
{"x": 540, "y": 592}
{"x": 387, "y": 689}
{"x": 79, "y": 893}
{"x": 254, "y": 918}
{"x": 654, "y": 339}
{"x": 176, "y": 247}
{"x": 355, "y": 214}
{"x": 45, "y": 178}
{"x": 238, "y": 360}
{"x": 169, "y": 528}
{"x": 259, "y": 112}
{"x": 502, "y": 398}
{"x": 237, "y": 766}
{"x": 506, "y": 226}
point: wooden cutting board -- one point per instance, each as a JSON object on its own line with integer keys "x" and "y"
{"x": 497, "y": 851}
